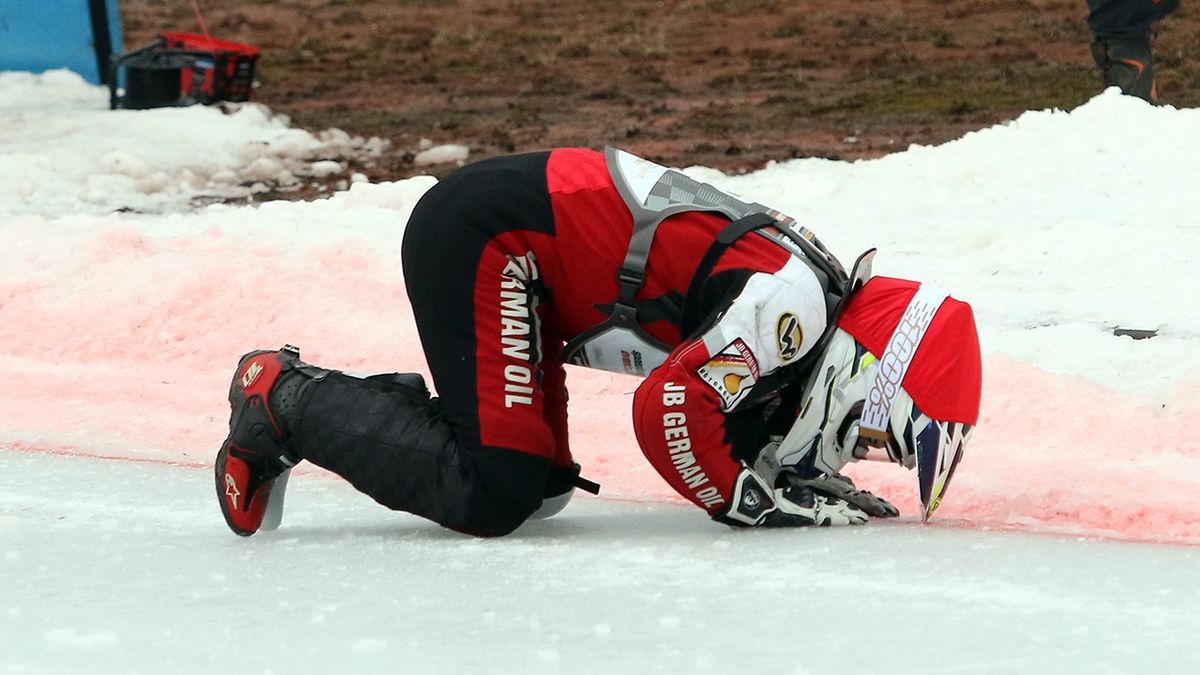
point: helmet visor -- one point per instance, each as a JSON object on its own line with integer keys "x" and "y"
{"x": 939, "y": 448}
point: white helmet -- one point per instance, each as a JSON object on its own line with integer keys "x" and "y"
{"x": 857, "y": 402}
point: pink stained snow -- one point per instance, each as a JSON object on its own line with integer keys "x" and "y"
{"x": 118, "y": 333}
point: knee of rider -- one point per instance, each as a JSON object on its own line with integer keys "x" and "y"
{"x": 496, "y": 517}
{"x": 510, "y": 489}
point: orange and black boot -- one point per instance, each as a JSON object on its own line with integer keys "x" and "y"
{"x": 1127, "y": 63}
{"x": 253, "y": 464}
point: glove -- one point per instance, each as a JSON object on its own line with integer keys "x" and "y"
{"x": 755, "y": 505}
{"x": 800, "y": 506}
{"x": 841, "y": 487}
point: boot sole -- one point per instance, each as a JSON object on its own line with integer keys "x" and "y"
{"x": 274, "y": 513}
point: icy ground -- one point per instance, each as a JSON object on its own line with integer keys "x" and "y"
{"x": 121, "y": 567}
{"x": 123, "y": 309}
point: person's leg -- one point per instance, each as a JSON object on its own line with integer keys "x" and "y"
{"x": 1125, "y": 19}
{"x": 1121, "y": 47}
{"x": 475, "y": 290}
{"x": 478, "y": 459}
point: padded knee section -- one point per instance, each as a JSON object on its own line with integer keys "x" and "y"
{"x": 390, "y": 441}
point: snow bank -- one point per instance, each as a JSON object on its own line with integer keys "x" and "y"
{"x": 63, "y": 152}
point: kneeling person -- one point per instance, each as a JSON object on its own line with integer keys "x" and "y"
{"x": 767, "y": 366}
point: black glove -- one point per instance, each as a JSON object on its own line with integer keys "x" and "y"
{"x": 841, "y": 487}
{"x": 799, "y": 506}
{"x": 753, "y": 504}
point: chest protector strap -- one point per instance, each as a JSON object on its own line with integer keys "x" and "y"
{"x": 652, "y": 194}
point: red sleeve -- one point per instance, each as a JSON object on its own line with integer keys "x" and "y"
{"x": 679, "y": 425}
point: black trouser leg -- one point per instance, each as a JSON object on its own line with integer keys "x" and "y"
{"x": 478, "y": 459}
{"x": 1126, "y": 19}
{"x": 1122, "y": 32}
{"x": 391, "y": 443}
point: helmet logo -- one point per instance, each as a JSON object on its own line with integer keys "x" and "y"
{"x": 788, "y": 336}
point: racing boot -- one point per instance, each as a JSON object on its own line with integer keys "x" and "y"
{"x": 1127, "y": 63}
{"x": 253, "y": 464}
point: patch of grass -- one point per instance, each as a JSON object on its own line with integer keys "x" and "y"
{"x": 349, "y": 17}
{"x": 646, "y": 72}
{"x": 895, "y": 28}
{"x": 462, "y": 39}
{"x": 653, "y": 43}
{"x": 739, "y": 6}
{"x": 725, "y": 80}
{"x": 579, "y": 50}
{"x": 790, "y": 29}
{"x": 1039, "y": 28}
{"x": 959, "y": 93}
{"x": 606, "y": 94}
{"x": 363, "y": 122}
{"x": 943, "y": 40}
{"x": 409, "y": 3}
{"x": 550, "y": 83}
{"x": 721, "y": 119}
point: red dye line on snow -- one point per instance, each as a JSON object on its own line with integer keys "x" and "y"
{"x": 1004, "y": 528}
{"x": 72, "y": 451}
{"x": 960, "y": 524}
{"x": 1049, "y": 531}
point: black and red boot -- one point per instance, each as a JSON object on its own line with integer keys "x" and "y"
{"x": 253, "y": 464}
{"x": 1128, "y": 64}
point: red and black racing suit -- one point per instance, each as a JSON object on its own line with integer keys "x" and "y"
{"x": 504, "y": 261}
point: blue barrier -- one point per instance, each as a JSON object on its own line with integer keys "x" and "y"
{"x": 39, "y": 35}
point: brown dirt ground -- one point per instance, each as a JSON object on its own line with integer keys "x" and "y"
{"x": 730, "y": 84}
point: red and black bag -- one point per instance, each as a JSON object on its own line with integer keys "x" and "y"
{"x": 221, "y": 71}
{"x": 182, "y": 69}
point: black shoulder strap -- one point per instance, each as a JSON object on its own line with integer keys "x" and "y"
{"x": 725, "y": 238}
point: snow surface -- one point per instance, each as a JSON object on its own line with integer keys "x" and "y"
{"x": 124, "y": 307}
{"x": 124, "y": 567}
